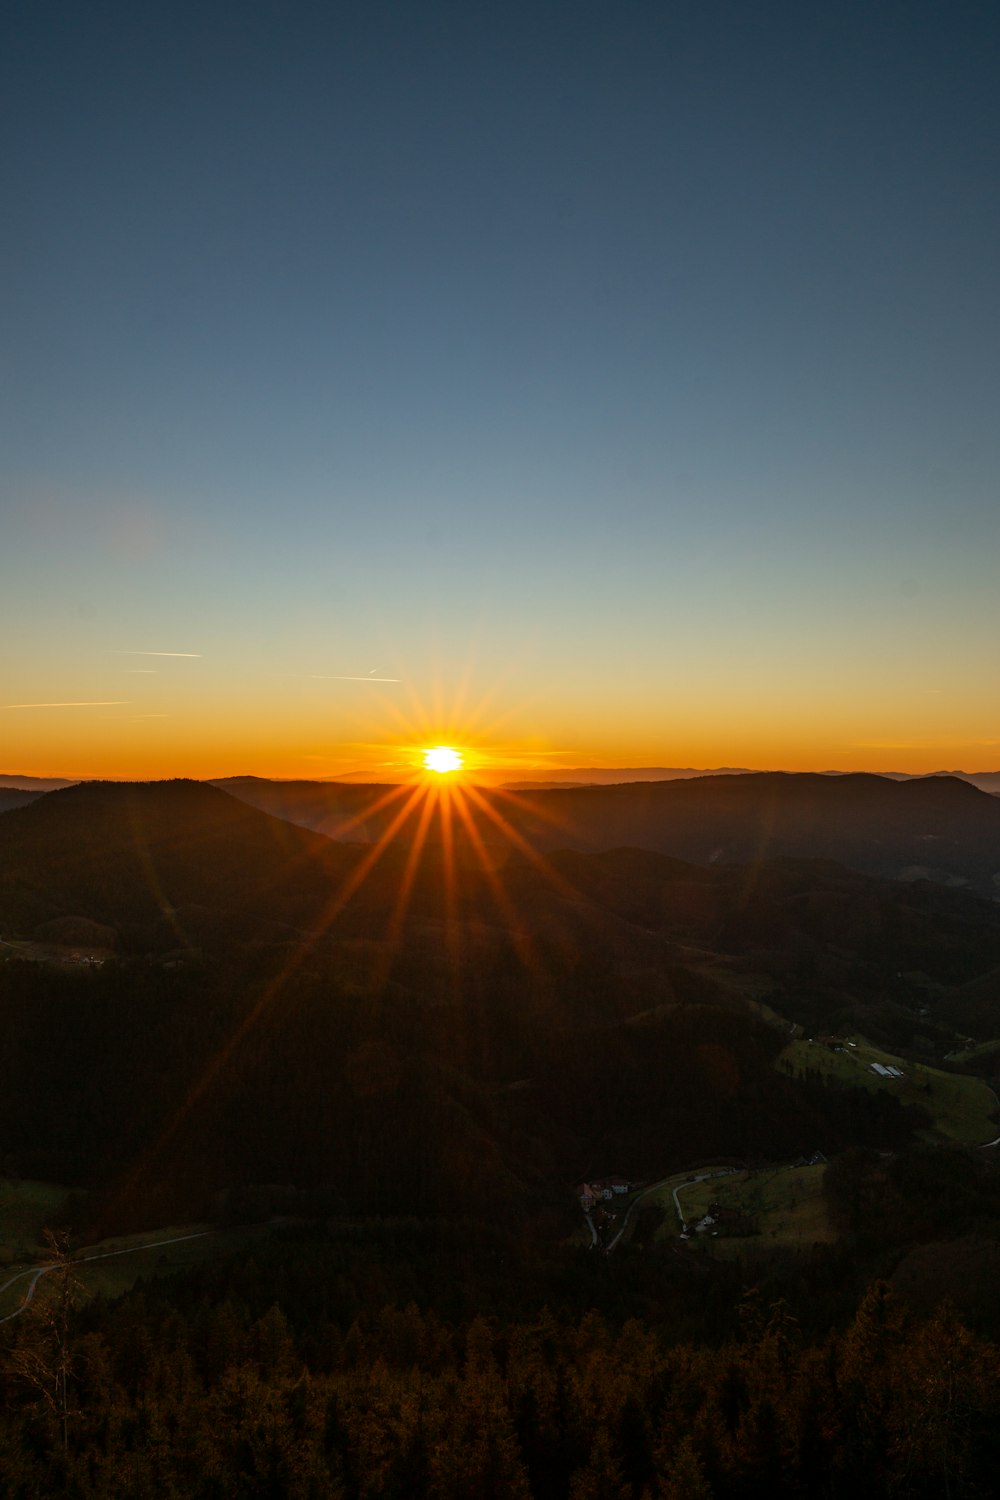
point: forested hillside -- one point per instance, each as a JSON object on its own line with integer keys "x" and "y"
{"x": 934, "y": 827}
{"x": 397, "y": 1061}
{"x": 342, "y": 1366}
{"x": 428, "y": 1037}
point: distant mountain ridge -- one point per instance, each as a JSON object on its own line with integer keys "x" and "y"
{"x": 465, "y": 1040}
{"x": 939, "y": 828}
{"x": 14, "y": 797}
{"x": 987, "y": 781}
{"x": 36, "y": 783}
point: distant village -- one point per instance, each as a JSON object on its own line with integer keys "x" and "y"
{"x": 605, "y": 1188}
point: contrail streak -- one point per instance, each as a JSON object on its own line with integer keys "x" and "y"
{"x": 95, "y": 703}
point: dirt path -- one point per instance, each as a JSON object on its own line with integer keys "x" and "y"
{"x": 37, "y": 1272}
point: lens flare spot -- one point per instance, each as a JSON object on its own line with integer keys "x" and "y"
{"x": 442, "y": 759}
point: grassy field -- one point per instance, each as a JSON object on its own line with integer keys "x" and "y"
{"x": 962, "y": 1107}
{"x": 28, "y": 1208}
{"x": 787, "y": 1203}
{"x": 116, "y": 1273}
{"x": 662, "y": 1196}
{"x": 984, "y": 1049}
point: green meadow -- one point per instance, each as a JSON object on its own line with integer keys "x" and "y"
{"x": 787, "y": 1203}
{"x": 964, "y": 1109}
{"x": 111, "y": 1266}
{"x": 969, "y": 1054}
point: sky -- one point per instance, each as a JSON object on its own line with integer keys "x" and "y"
{"x": 616, "y": 384}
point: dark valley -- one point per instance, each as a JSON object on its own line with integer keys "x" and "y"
{"x": 334, "y": 1057}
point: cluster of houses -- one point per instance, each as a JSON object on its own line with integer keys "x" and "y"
{"x": 606, "y": 1188}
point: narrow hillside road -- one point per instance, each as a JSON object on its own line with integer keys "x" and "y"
{"x": 37, "y": 1272}
{"x": 705, "y": 1176}
{"x": 724, "y": 1172}
{"x": 628, "y": 1213}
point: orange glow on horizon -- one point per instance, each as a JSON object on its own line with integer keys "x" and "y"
{"x": 501, "y": 726}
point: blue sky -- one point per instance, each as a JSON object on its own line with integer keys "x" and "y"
{"x": 637, "y": 362}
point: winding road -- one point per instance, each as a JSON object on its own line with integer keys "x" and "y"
{"x": 688, "y": 1182}
{"x": 725, "y": 1172}
{"x": 37, "y": 1272}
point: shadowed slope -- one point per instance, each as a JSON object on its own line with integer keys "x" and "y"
{"x": 138, "y": 856}
{"x": 430, "y": 1030}
{"x": 938, "y": 828}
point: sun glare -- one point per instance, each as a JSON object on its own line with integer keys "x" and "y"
{"x": 442, "y": 759}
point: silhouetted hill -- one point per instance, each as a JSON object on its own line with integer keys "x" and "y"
{"x": 513, "y": 779}
{"x": 339, "y": 810}
{"x": 162, "y": 862}
{"x": 987, "y": 781}
{"x": 11, "y": 797}
{"x": 939, "y": 828}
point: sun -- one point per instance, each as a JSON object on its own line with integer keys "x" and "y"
{"x": 442, "y": 759}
